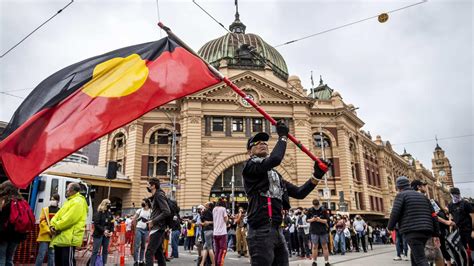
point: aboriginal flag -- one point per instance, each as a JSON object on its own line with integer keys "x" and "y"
{"x": 89, "y": 99}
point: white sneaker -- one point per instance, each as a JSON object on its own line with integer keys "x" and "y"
{"x": 405, "y": 258}
{"x": 397, "y": 258}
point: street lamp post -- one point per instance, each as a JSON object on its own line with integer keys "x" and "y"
{"x": 172, "y": 171}
{"x": 233, "y": 190}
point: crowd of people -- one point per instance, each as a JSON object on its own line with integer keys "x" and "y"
{"x": 267, "y": 232}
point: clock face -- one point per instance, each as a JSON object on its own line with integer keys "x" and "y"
{"x": 245, "y": 103}
{"x": 442, "y": 173}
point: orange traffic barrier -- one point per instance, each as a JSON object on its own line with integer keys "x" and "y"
{"x": 122, "y": 243}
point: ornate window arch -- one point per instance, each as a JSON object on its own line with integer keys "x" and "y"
{"x": 117, "y": 146}
{"x": 154, "y": 129}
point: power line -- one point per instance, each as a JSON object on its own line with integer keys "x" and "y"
{"x": 6, "y": 93}
{"x": 24, "y": 89}
{"x": 222, "y": 25}
{"x": 430, "y": 140}
{"x": 347, "y": 25}
{"x": 158, "y": 14}
{"x": 37, "y": 28}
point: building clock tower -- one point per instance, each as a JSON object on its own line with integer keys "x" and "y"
{"x": 441, "y": 167}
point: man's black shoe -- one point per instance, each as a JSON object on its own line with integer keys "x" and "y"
{"x": 314, "y": 263}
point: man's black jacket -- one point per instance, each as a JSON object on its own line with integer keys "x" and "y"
{"x": 160, "y": 210}
{"x": 256, "y": 181}
{"x": 414, "y": 213}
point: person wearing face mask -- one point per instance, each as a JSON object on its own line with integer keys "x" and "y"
{"x": 141, "y": 217}
{"x": 460, "y": 211}
{"x": 157, "y": 223}
{"x": 44, "y": 236}
{"x": 68, "y": 226}
{"x": 103, "y": 228}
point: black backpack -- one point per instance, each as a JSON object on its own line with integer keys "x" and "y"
{"x": 174, "y": 209}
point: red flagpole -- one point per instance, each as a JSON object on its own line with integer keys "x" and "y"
{"x": 242, "y": 94}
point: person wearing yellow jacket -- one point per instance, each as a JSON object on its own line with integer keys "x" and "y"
{"x": 68, "y": 226}
{"x": 44, "y": 236}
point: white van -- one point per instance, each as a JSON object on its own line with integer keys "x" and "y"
{"x": 45, "y": 186}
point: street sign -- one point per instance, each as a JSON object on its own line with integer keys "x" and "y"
{"x": 326, "y": 193}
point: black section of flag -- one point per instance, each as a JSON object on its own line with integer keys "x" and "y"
{"x": 66, "y": 81}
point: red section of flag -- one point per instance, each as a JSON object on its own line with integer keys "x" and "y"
{"x": 54, "y": 133}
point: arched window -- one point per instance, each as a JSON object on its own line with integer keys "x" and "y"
{"x": 160, "y": 137}
{"x": 321, "y": 141}
{"x": 119, "y": 141}
{"x": 157, "y": 166}
{"x": 224, "y": 180}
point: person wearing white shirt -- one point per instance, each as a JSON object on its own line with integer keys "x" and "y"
{"x": 141, "y": 217}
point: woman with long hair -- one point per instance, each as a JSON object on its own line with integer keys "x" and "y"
{"x": 103, "y": 227}
{"x": 10, "y": 239}
{"x": 141, "y": 218}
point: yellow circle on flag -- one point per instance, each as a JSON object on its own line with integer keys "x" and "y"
{"x": 117, "y": 77}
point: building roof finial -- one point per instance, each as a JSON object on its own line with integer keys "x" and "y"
{"x": 320, "y": 80}
{"x": 237, "y": 26}
{"x": 437, "y": 145}
{"x": 312, "y": 80}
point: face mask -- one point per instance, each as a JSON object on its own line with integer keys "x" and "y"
{"x": 53, "y": 203}
{"x": 456, "y": 198}
{"x": 148, "y": 189}
{"x": 143, "y": 205}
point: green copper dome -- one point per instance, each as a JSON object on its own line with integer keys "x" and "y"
{"x": 238, "y": 48}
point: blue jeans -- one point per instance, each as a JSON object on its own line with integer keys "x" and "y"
{"x": 7, "y": 252}
{"x": 139, "y": 245}
{"x": 174, "y": 243}
{"x": 43, "y": 247}
{"x": 100, "y": 241}
{"x": 402, "y": 244}
{"x": 339, "y": 238}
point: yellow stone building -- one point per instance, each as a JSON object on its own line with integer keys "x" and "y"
{"x": 215, "y": 124}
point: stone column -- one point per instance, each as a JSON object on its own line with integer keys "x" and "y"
{"x": 385, "y": 188}
{"x": 360, "y": 160}
{"x": 345, "y": 167}
{"x": 133, "y": 163}
{"x": 304, "y": 164}
{"x": 191, "y": 157}
{"x": 103, "y": 150}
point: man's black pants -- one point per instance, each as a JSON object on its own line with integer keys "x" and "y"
{"x": 64, "y": 256}
{"x": 155, "y": 248}
{"x": 303, "y": 243}
{"x": 267, "y": 246}
{"x": 417, "y": 246}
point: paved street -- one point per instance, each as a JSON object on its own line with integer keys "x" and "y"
{"x": 381, "y": 255}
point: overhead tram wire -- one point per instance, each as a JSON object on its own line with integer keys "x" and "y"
{"x": 37, "y": 28}
{"x": 348, "y": 24}
{"x": 158, "y": 14}
{"x": 430, "y": 140}
{"x": 8, "y": 94}
{"x": 24, "y": 89}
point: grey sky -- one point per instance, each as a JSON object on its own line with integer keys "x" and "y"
{"x": 411, "y": 76}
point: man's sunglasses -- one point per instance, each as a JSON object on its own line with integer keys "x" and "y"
{"x": 258, "y": 143}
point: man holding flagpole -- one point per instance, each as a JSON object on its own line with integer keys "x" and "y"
{"x": 268, "y": 195}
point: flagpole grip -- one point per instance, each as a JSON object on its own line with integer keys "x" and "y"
{"x": 242, "y": 94}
